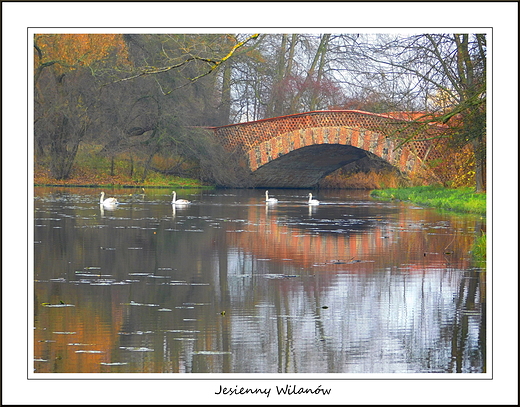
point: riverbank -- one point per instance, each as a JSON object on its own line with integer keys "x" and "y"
{"x": 460, "y": 200}
{"x": 83, "y": 177}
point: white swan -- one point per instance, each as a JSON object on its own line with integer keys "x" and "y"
{"x": 313, "y": 201}
{"x": 108, "y": 201}
{"x": 179, "y": 201}
{"x": 269, "y": 200}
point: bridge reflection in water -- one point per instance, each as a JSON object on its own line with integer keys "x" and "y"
{"x": 367, "y": 294}
{"x": 310, "y": 240}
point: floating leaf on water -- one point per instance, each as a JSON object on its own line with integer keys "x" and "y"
{"x": 89, "y": 351}
{"x": 278, "y": 276}
{"x": 273, "y": 276}
{"x": 136, "y": 333}
{"x": 211, "y": 352}
{"x": 140, "y": 304}
{"x": 135, "y": 349}
{"x": 474, "y": 312}
{"x": 181, "y": 331}
{"x": 80, "y": 344}
{"x": 57, "y": 305}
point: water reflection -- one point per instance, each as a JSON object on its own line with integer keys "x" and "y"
{"x": 232, "y": 284}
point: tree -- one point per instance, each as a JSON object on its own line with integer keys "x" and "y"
{"x": 121, "y": 91}
{"x": 428, "y": 66}
{"x": 65, "y": 97}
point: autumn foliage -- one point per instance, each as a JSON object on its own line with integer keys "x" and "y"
{"x": 69, "y": 51}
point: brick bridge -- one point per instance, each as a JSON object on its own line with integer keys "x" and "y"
{"x": 298, "y": 150}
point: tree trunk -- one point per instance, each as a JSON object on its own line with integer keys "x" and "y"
{"x": 313, "y": 104}
{"x": 147, "y": 166}
{"x": 480, "y": 165}
{"x": 112, "y": 166}
{"x": 61, "y": 158}
{"x": 310, "y": 73}
{"x": 275, "y": 106}
{"x": 224, "y": 110}
{"x": 131, "y": 165}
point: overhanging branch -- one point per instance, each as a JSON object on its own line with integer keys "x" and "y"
{"x": 215, "y": 63}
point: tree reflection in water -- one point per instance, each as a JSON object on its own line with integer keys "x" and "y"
{"x": 230, "y": 284}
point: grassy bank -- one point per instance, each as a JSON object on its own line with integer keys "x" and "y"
{"x": 86, "y": 174}
{"x": 460, "y": 200}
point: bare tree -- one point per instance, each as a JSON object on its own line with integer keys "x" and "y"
{"x": 432, "y": 68}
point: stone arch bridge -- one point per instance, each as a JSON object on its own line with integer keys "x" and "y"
{"x": 297, "y": 150}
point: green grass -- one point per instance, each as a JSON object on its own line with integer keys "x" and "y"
{"x": 92, "y": 169}
{"x": 460, "y": 200}
{"x": 479, "y": 251}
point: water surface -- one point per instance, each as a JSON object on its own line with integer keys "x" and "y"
{"x": 229, "y": 284}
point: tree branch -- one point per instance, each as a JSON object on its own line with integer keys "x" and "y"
{"x": 215, "y": 64}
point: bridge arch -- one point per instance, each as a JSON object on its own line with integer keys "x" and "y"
{"x": 303, "y": 157}
{"x": 298, "y": 150}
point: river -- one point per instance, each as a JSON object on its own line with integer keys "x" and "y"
{"x": 230, "y": 284}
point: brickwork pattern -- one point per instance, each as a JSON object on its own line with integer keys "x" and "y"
{"x": 265, "y": 140}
